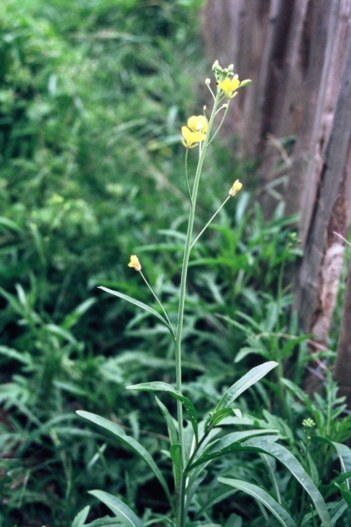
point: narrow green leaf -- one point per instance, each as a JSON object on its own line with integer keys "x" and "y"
{"x": 229, "y": 443}
{"x": 119, "y": 508}
{"x": 79, "y": 520}
{"x": 129, "y": 441}
{"x": 292, "y": 464}
{"x": 249, "y": 379}
{"x": 346, "y": 494}
{"x": 137, "y": 303}
{"x": 171, "y": 426}
{"x": 338, "y": 511}
{"x": 106, "y": 521}
{"x": 72, "y": 318}
{"x": 158, "y": 386}
{"x": 344, "y": 455}
{"x": 176, "y": 456}
{"x": 9, "y": 224}
{"x": 218, "y": 415}
{"x": 263, "y": 497}
{"x": 234, "y": 521}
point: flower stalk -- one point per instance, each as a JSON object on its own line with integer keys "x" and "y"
{"x": 181, "y": 305}
{"x": 198, "y": 132}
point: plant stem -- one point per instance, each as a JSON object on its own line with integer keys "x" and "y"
{"x": 209, "y": 221}
{"x": 186, "y": 172}
{"x": 158, "y": 301}
{"x": 182, "y": 294}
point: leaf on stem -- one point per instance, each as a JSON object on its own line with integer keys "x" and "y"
{"x": 229, "y": 443}
{"x": 129, "y": 441}
{"x": 263, "y": 497}
{"x": 248, "y": 380}
{"x": 344, "y": 455}
{"x": 158, "y": 386}
{"x": 171, "y": 425}
{"x": 137, "y": 303}
{"x": 119, "y": 508}
{"x": 218, "y": 415}
{"x": 176, "y": 456}
{"x": 79, "y": 519}
{"x": 292, "y": 464}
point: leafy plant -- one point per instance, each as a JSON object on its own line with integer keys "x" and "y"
{"x": 194, "y": 447}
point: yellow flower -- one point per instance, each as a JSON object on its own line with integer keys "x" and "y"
{"x": 191, "y": 139}
{"x": 195, "y": 131}
{"x": 229, "y": 86}
{"x": 198, "y": 123}
{"x": 134, "y": 263}
{"x": 237, "y": 185}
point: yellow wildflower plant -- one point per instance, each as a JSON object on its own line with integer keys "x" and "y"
{"x": 195, "y": 131}
{"x": 235, "y": 188}
{"x": 134, "y": 263}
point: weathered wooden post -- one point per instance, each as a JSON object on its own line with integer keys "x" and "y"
{"x": 299, "y": 57}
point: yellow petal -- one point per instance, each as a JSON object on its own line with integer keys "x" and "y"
{"x": 229, "y": 86}
{"x": 190, "y": 138}
{"x": 198, "y": 123}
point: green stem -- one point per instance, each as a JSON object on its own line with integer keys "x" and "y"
{"x": 209, "y": 222}
{"x": 186, "y": 172}
{"x": 159, "y": 303}
{"x": 221, "y": 123}
{"x": 182, "y": 294}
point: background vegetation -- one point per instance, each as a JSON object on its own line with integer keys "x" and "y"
{"x": 92, "y": 96}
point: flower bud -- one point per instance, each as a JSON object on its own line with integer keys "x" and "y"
{"x": 237, "y": 185}
{"x": 134, "y": 263}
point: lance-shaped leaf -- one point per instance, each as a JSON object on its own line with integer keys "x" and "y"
{"x": 176, "y": 456}
{"x": 79, "y": 520}
{"x": 249, "y": 379}
{"x": 130, "y": 442}
{"x": 263, "y": 497}
{"x": 229, "y": 443}
{"x": 338, "y": 510}
{"x": 137, "y": 303}
{"x": 119, "y": 508}
{"x": 218, "y": 415}
{"x": 292, "y": 464}
{"x": 158, "y": 386}
{"x": 106, "y": 521}
{"x": 171, "y": 425}
{"x": 344, "y": 455}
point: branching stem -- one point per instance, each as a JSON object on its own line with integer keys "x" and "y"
{"x": 182, "y": 294}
